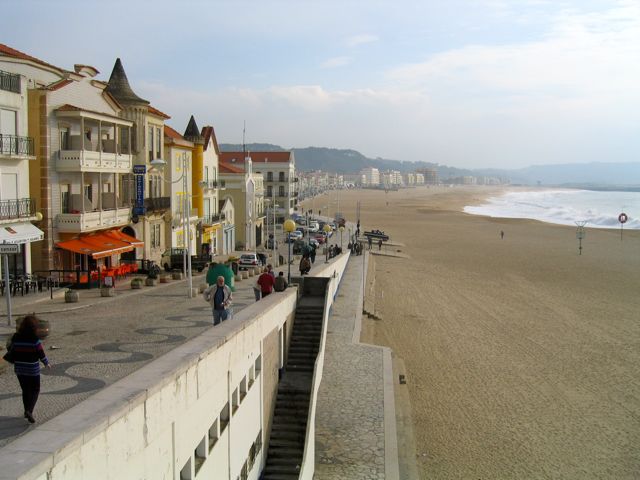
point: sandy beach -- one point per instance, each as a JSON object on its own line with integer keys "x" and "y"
{"x": 522, "y": 357}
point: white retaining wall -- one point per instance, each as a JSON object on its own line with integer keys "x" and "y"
{"x": 167, "y": 419}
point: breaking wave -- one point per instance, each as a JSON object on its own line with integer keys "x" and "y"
{"x": 565, "y": 207}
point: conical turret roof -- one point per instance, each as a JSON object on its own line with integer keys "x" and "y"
{"x": 119, "y": 87}
{"x": 192, "y": 133}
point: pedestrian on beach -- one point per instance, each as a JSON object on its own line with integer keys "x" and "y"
{"x": 266, "y": 282}
{"x": 501, "y": 234}
{"x": 281, "y": 283}
{"x": 219, "y": 297}
{"x": 27, "y": 352}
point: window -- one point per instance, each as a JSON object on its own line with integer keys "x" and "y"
{"x": 235, "y": 400}
{"x": 185, "y": 473}
{"x": 64, "y": 198}
{"x": 269, "y": 176}
{"x": 281, "y": 177}
{"x": 155, "y": 186}
{"x": 64, "y": 138}
{"x": 269, "y": 191}
{"x": 281, "y": 191}
{"x": 155, "y": 236}
{"x": 224, "y": 417}
{"x": 206, "y": 174}
{"x": 158, "y": 142}
{"x": 88, "y": 191}
{"x": 200, "y": 454}
{"x": 258, "y": 365}
{"x": 214, "y": 434}
{"x": 243, "y": 388}
{"x": 150, "y": 143}
{"x": 8, "y": 122}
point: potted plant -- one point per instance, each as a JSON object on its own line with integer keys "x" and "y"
{"x": 152, "y": 277}
{"x": 164, "y": 278}
{"x": 137, "y": 282}
{"x": 71, "y": 296}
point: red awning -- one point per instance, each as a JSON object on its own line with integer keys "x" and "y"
{"x": 123, "y": 237}
{"x": 97, "y": 245}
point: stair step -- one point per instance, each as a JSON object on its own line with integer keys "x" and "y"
{"x": 285, "y": 443}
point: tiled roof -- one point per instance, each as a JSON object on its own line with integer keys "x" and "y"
{"x": 59, "y": 84}
{"x": 155, "y": 111}
{"x": 260, "y": 157}
{"x": 171, "y": 133}
{"x": 72, "y": 108}
{"x": 12, "y": 52}
{"x": 230, "y": 168}
{"x": 209, "y": 133}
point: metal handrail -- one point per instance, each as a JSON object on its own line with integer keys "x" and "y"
{"x": 9, "y": 82}
{"x": 16, "y": 145}
{"x": 18, "y": 208}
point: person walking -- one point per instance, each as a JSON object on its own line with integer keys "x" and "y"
{"x": 305, "y": 265}
{"x": 501, "y": 234}
{"x": 266, "y": 282}
{"x": 281, "y": 283}
{"x": 312, "y": 253}
{"x": 27, "y": 351}
{"x": 219, "y": 296}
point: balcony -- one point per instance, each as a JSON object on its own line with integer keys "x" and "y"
{"x": 14, "y": 145}
{"x": 90, "y": 221}
{"x": 157, "y": 204}
{"x": 88, "y": 156}
{"x": 213, "y": 184}
{"x": 18, "y": 208}
{"x": 9, "y": 82}
{"x": 213, "y": 219}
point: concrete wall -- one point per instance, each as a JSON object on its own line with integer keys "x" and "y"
{"x": 162, "y": 421}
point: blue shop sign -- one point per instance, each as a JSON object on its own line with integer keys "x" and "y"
{"x": 139, "y": 169}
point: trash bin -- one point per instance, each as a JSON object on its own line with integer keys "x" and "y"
{"x": 220, "y": 269}
{"x": 234, "y": 267}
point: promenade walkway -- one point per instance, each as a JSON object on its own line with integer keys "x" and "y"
{"x": 355, "y": 415}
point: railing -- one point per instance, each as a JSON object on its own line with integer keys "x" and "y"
{"x": 211, "y": 219}
{"x": 214, "y": 184}
{"x": 16, "y": 145}
{"x": 90, "y": 221}
{"x": 9, "y": 82}
{"x": 19, "y": 208}
{"x": 157, "y": 203}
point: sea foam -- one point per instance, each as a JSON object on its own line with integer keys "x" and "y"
{"x": 565, "y": 207}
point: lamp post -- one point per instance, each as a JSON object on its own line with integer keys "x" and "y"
{"x": 159, "y": 163}
{"x": 341, "y": 230}
{"x": 289, "y": 226}
{"x": 326, "y": 229}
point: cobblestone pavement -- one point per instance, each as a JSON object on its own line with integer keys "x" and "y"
{"x": 350, "y": 415}
{"x": 99, "y": 340}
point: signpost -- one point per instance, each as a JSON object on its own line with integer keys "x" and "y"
{"x": 7, "y": 249}
{"x": 580, "y": 234}
{"x": 622, "y": 218}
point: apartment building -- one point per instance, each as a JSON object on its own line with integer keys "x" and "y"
{"x": 280, "y": 181}
{"x": 18, "y": 207}
{"x": 370, "y": 177}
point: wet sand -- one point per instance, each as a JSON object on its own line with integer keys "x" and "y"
{"x": 522, "y": 357}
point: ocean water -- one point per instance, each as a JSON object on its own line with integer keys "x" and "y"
{"x": 565, "y": 207}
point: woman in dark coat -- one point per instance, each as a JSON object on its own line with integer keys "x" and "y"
{"x": 27, "y": 354}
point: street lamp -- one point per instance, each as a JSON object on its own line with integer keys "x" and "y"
{"x": 289, "y": 226}
{"x": 326, "y": 229}
{"x": 159, "y": 164}
{"x": 341, "y": 230}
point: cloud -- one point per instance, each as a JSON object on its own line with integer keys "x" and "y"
{"x": 361, "y": 39}
{"x": 335, "y": 62}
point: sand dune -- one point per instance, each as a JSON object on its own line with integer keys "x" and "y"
{"x": 522, "y": 357}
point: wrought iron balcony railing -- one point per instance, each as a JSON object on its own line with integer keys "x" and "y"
{"x": 214, "y": 184}
{"x": 212, "y": 219}
{"x": 9, "y": 82}
{"x": 158, "y": 203}
{"x": 18, "y": 208}
{"x": 16, "y": 145}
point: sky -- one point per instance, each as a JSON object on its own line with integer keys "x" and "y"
{"x": 469, "y": 84}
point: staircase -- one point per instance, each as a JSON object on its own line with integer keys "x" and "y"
{"x": 289, "y": 427}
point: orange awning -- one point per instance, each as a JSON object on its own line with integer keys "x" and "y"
{"x": 97, "y": 245}
{"x": 123, "y": 237}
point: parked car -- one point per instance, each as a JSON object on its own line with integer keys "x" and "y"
{"x": 295, "y": 235}
{"x": 314, "y": 226}
{"x": 248, "y": 260}
{"x": 313, "y": 241}
{"x": 319, "y": 238}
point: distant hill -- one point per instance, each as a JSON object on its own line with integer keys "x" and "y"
{"x": 583, "y": 175}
